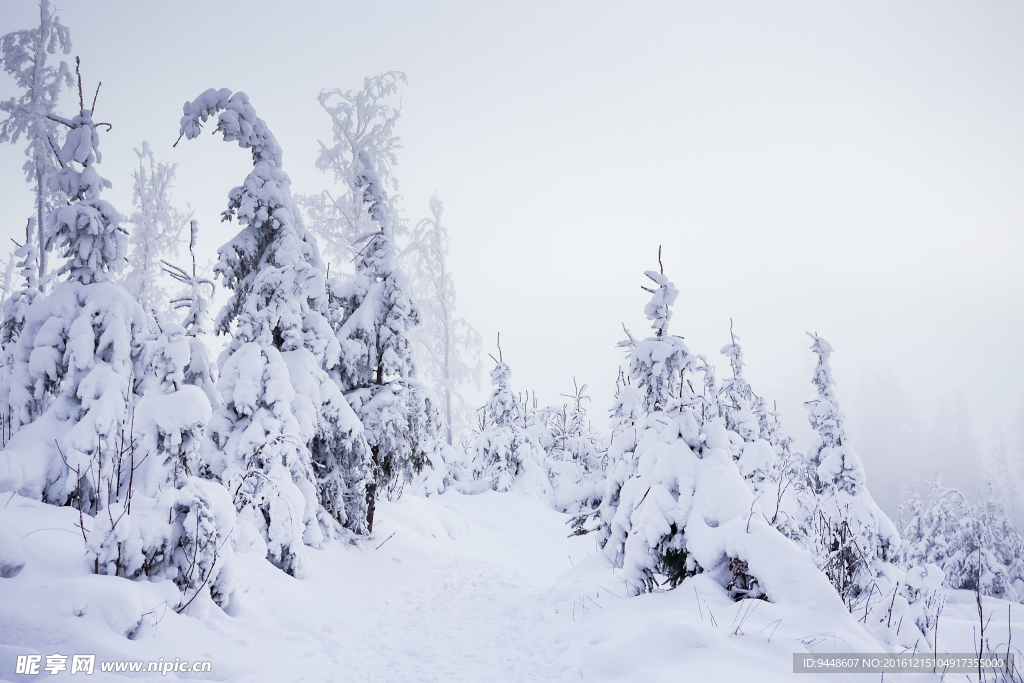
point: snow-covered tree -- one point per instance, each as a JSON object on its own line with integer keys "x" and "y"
{"x": 779, "y": 477}
{"x": 15, "y": 311}
{"x": 505, "y": 453}
{"x": 167, "y": 521}
{"x": 644, "y": 510}
{"x": 984, "y": 551}
{"x": 572, "y": 438}
{"x": 756, "y": 459}
{"x": 577, "y": 455}
{"x": 89, "y": 376}
{"x": 736, "y": 394}
{"x": 195, "y": 301}
{"x": 671, "y": 474}
{"x": 447, "y": 348}
{"x": 858, "y": 542}
{"x": 24, "y": 55}
{"x": 362, "y": 121}
{"x": 279, "y": 404}
{"x": 930, "y": 532}
{"x": 15, "y": 307}
{"x": 156, "y": 230}
{"x": 373, "y": 314}
{"x": 626, "y": 418}
{"x": 74, "y": 358}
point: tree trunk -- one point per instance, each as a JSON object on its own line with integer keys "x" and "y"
{"x": 40, "y": 200}
{"x": 371, "y": 504}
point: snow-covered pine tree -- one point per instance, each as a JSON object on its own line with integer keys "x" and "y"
{"x": 985, "y": 553}
{"x": 858, "y": 542}
{"x": 930, "y": 531}
{"x": 23, "y": 55}
{"x": 505, "y": 453}
{"x": 74, "y": 358}
{"x": 673, "y": 475}
{"x": 577, "y": 456}
{"x": 373, "y": 314}
{"x": 362, "y": 121}
{"x": 26, "y": 258}
{"x": 279, "y": 404}
{"x": 82, "y": 354}
{"x": 756, "y": 457}
{"x": 447, "y": 348}
{"x": 643, "y": 518}
{"x": 9, "y": 265}
{"x": 15, "y": 310}
{"x": 625, "y": 419}
{"x": 201, "y": 370}
{"x": 168, "y": 522}
{"x": 157, "y": 226}
{"x": 573, "y": 440}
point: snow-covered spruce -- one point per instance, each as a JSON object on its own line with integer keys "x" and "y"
{"x": 625, "y": 419}
{"x": 756, "y": 458}
{"x": 373, "y": 314}
{"x": 73, "y": 360}
{"x": 282, "y": 415}
{"x": 930, "y": 531}
{"x": 23, "y": 55}
{"x": 577, "y": 456}
{"x": 505, "y": 454}
{"x": 650, "y": 491}
{"x": 975, "y": 545}
{"x": 169, "y": 522}
{"x": 856, "y": 544}
{"x": 674, "y": 488}
{"x": 846, "y": 513}
{"x": 87, "y": 370}
{"x": 778, "y": 477}
{"x": 195, "y": 301}
{"x": 15, "y": 311}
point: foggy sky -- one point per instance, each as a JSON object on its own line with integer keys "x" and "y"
{"x": 853, "y": 169}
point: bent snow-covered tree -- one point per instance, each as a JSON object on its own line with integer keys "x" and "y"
{"x": 280, "y": 408}
{"x": 23, "y": 55}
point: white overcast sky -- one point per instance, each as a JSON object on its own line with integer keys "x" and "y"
{"x": 854, "y": 168}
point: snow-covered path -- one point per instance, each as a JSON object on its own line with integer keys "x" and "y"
{"x": 477, "y": 622}
{"x": 477, "y": 613}
{"x": 456, "y": 591}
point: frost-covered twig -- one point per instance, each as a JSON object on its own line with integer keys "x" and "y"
{"x": 386, "y": 540}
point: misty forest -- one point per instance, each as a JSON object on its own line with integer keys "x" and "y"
{"x": 298, "y": 431}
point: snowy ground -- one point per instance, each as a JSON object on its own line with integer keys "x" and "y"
{"x": 461, "y": 588}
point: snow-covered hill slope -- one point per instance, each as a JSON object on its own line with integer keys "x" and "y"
{"x": 450, "y": 588}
